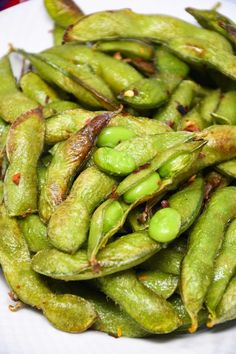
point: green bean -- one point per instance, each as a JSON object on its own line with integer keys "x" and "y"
{"x": 58, "y": 34}
{"x": 35, "y": 233}
{"x": 170, "y": 68}
{"x": 117, "y": 74}
{"x": 179, "y": 104}
{"x": 145, "y": 93}
{"x": 178, "y": 305}
{"x": 213, "y": 20}
{"x": 227, "y": 168}
{"x": 67, "y": 160}
{"x": 86, "y": 86}
{"x": 193, "y": 44}
{"x": 130, "y": 48}
{"x": 13, "y": 102}
{"x": 162, "y": 284}
{"x": 63, "y": 12}
{"x": 226, "y": 111}
{"x": 146, "y": 187}
{"x": 58, "y": 107}
{"x": 69, "y": 224}
{"x": 35, "y": 88}
{"x": 226, "y": 310}
{"x": 66, "y": 312}
{"x": 124, "y": 253}
{"x": 112, "y": 136}
{"x": 23, "y": 151}
{"x": 165, "y": 225}
{"x": 224, "y": 269}
{"x": 198, "y": 264}
{"x": 140, "y": 303}
{"x": 168, "y": 260}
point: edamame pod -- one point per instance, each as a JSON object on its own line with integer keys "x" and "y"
{"x": 224, "y": 269}
{"x": 208, "y": 105}
{"x": 35, "y": 233}
{"x": 124, "y": 253}
{"x": 13, "y": 103}
{"x": 162, "y": 284}
{"x": 193, "y": 121}
{"x": 204, "y": 243}
{"x": 226, "y": 111}
{"x": 58, "y": 34}
{"x": 35, "y": 88}
{"x": 63, "y": 12}
{"x": 140, "y": 303}
{"x": 227, "y": 168}
{"x": 86, "y": 86}
{"x": 67, "y": 160}
{"x": 23, "y": 151}
{"x": 58, "y": 107}
{"x": 66, "y": 312}
{"x": 130, "y": 48}
{"x": 226, "y": 310}
{"x": 69, "y": 224}
{"x": 179, "y": 104}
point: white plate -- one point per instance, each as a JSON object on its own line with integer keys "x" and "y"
{"x": 27, "y": 332}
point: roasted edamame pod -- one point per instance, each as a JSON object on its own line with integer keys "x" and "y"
{"x": 63, "y": 12}
{"x": 66, "y": 312}
{"x": 68, "y": 158}
{"x": 224, "y": 269}
{"x": 140, "y": 303}
{"x": 124, "y": 253}
{"x": 228, "y": 168}
{"x": 198, "y": 265}
{"x": 226, "y": 110}
{"x": 23, "y": 151}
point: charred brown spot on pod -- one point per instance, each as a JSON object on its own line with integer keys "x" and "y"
{"x": 141, "y": 168}
{"x": 191, "y": 127}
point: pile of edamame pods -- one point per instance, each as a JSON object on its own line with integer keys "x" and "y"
{"x": 118, "y": 167}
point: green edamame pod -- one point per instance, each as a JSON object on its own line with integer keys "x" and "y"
{"x": 178, "y": 305}
{"x": 23, "y": 151}
{"x": 189, "y": 42}
{"x": 168, "y": 260}
{"x": 58, "y": 34}
{"x": 226, "y": 310}
{"x": 35, "y": 233}
{"x": 130, "y": 48}
{"x": 1, "y": 191}
{"x": 198, "y": 264}
{"x": 86, "y": 86}
{"x": 226, "y": 111}
{"x": 57, "y": 107}
{"x": 69, "y": 224}
{"x": 117, "y": 74}
{"x": 224, "y": 269}
{"x": 35, "y": 88}
{"x": 179, "y": 104}
{"x": 13, "y": 102}
{"x": 4, "y": 130}
{"x": 146, "y": 93}
{"x": 170, "y": 68}
{"x": 63, "y": 12}
{"x": 140, "y": 303}
{"x": 136, "y": 221}
{"x": 67, "y": 160}
{"x": 124, "y": 253}
{"x": 208, "y": 105}
{"x": 193, "y": 121}
{"x": 162, "y": 284}
{"x": 227, "y": 168}
{"x": 213, "y": 20}
{"x": 66, "y": 312}
{"x": 112, "y": 136}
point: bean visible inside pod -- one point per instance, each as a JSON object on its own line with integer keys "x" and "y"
{"x": 112, "y": 136}
{"x": 165, "y": 225}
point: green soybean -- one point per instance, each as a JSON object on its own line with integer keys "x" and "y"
{"x": 112, "y": 214}
{"x": 165, "y": 225}
{"x": 143, "y": 189}
{"x": 112, "y": 136}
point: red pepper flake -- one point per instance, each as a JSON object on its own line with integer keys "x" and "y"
{"x": 96, "y": 268}
{"x": 16, "y": 178}
{"x": 191, "y": 127}
{"x": 201, "y": 155}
